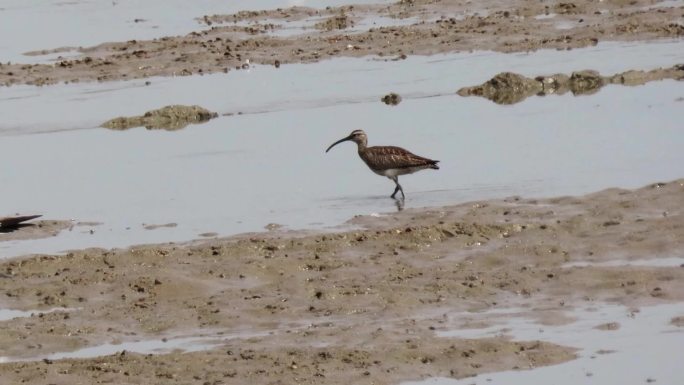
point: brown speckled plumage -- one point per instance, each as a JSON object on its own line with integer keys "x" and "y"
{"x": 389, "y": 161}
{"x": 381, "y": 158}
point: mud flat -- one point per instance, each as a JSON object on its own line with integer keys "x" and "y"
{"x": 365, "y": 305}
{"x": 236, "y": 41}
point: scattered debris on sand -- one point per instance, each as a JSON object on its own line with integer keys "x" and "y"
{"x": 168, "y": 118}
{"x": 511, "y": 88}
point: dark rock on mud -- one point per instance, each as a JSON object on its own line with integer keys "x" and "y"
{"x": 168, "y": 118}
{"x": 391, "y": 99}
{"x": 511, "y": 88}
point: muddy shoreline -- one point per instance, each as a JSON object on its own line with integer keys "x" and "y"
{"x": 364, "y": 304}
{"x": 234, "y": 42}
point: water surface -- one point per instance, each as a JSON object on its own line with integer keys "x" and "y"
{"x": 265, "y": 162}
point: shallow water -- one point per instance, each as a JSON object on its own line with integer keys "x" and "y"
{"x": 655, "y": 262}
{"x": 565, "y": 24}
{"x": 83, "y": 23}
{"x": 238, "y": 173}
{"x": 545, "y": 16}
{"x": 8, "y": 314}
{"x": 194, "y": 343}
{"x": 645, "y": 346}
{"x": 666, "y": 4}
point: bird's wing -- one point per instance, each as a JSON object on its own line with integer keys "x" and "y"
{"x": 14, "y": 221}
{"x": 386, "y": 157}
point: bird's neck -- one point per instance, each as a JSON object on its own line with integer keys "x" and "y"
{"x": 361, "y": 146}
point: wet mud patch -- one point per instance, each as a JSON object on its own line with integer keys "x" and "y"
{"x": 169, "y": 118}
{"x": 608, "y": 326}
{"x": 511, "y": 88}
{"x": 336, "y": 22}
{"x": 155, "y": 227}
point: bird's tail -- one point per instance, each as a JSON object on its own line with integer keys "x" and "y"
{"x": 434, "y": 165}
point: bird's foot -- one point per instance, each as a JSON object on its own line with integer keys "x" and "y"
{"x": 399, "y": 203}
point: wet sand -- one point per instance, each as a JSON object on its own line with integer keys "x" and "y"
{"x": 233, "y": 42}
{"x": 360, "y": 306}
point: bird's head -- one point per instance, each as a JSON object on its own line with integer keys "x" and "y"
{"x": 357, "y": 136}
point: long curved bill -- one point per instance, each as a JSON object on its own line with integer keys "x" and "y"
{"x": 338, "y": 142}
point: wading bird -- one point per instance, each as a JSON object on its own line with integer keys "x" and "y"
{"x": 388, "y": 161}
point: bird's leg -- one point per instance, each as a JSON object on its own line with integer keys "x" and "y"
{"x": 401, "y": 189}
{"x": 398, "y": 188}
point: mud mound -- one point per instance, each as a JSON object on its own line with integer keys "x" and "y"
{"x": 505, "y": 88}
{"x": 334, "y": 23}
{"x": 168, "y": 118}
{"x": 511, "y": 88}
{"x": 391, "y": 99}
